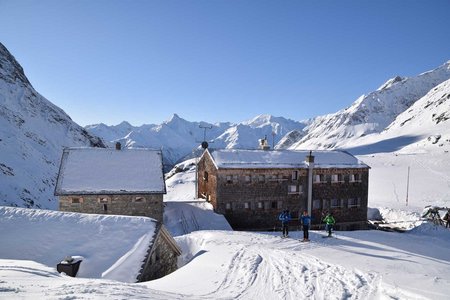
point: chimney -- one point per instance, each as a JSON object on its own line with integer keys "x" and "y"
{"x": 118, "y": 146}
{"x": 263, "y": 145}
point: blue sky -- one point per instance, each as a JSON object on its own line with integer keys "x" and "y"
{"x": 218, "y": 60}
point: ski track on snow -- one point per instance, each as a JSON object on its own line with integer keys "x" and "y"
{"x": 286, "y": 273}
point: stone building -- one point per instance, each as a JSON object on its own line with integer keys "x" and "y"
{"x": 251, "y": 187}
{"x": 112, "y": 181}
{"x": 120, "y": 182}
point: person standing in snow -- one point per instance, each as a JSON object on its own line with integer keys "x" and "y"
{"x": 446, "y": 219}
{"x": 306, "y": 222}
{"x": 285, "y": 217}
{"x": 329, "y": 222}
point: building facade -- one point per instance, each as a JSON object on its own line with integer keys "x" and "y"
{"x": 251, "y": 187}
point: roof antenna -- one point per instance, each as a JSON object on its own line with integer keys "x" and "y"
{"x": 204, "y": 142}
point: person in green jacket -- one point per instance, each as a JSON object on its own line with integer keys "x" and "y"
{"x": 329, "y": 222}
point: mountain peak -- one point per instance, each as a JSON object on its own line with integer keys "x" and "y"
{"x": 390, "y": 83}
{"x": 10, "y": 70}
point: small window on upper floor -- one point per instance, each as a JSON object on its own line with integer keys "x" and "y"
{"x": 76, "y": 200}
{"x": 319, "y": 178}
{"x": 294, "y": 175}
{"x": 139, "y": 199}
{"x": 103, "y": 199}
{"x": 205, "y": 176}
{"x": 248, "y": 178}
{"x": 355, "y": 177}
{"x": 261, "y": 178}
{"x": 337, "y": 178}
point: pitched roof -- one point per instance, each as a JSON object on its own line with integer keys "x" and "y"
{"x": 265, "y": 159}
{"x": 109, "y": 171}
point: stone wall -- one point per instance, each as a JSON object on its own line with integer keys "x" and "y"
{"x": 160, "y": 261}
{"x": 131, "y": 205}
{"x": 253, "y": 198}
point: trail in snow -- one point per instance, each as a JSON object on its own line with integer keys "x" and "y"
{"x": 261, "y": 266}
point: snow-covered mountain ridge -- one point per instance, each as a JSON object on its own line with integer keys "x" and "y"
{"x": 33, "y": 133}
{"x": 370, "y": 113}
{"x": 179, "y": 137}
{"x": 423, "y": 128}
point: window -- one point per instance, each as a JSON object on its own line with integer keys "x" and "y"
{"x": 280, "y": 204}
{"x": 228, "y": 206}
{"x": 337, "y": 178}
{"x": 335, "y": 203}
{"x": 261, "y": 178}
{"x": 354, "y": 202}
{"x": 247, "y": 205}
{"x": 105, "y": 207}
{"x": 318, "y": 178}
{"x": 292, "y": 189}
{"x": 294, "y": 175}
{"x": 76, "y": 200}
{"x": 232, "y": 178}
{"x": 103, "y": 199}
{"x": 355, "y": 177}
{"x": 316, "y": 204}
{"x": 139, "y": 199}
{"x": 260, "y": 205}
{"x": 248, "y": 178}
{"x": 274, "y": 205}
{"x": 205, "y": 176}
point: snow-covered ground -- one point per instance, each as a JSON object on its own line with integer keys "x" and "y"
{"x": 224, "y": 264}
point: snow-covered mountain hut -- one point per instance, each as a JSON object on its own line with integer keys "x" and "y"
{"x": 112, "y": 181}
{"x": 251, "y": 187}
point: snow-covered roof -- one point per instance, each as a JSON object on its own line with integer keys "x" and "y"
{"x": 110, "y": 171}
{"x": 266, "y": 159}
{"x": 111, "y": 247}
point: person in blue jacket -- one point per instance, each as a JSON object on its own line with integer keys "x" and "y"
{"x": 285, "y": 217}
{"x": 306, "y": 223}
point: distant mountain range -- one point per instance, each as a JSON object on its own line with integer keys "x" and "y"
{"x": 404, "y": 114}
{"x": 369, "y": 115}
{"x": 179, "y": 138}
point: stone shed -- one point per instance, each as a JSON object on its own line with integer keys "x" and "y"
{"x": 251, "y": 187}
{"x": 112, "y": 181}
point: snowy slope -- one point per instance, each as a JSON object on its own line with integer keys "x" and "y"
{"x": 370, "y": 113}
{"x": 33, "y": 133}
{"x": 424, "y": 127}
{"x": 178, "y": 137}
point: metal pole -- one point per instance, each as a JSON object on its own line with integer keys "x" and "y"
{"x": 310, "y": 162}
{"x": 196, "y": 174}
{"x": 407, "y": 188}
